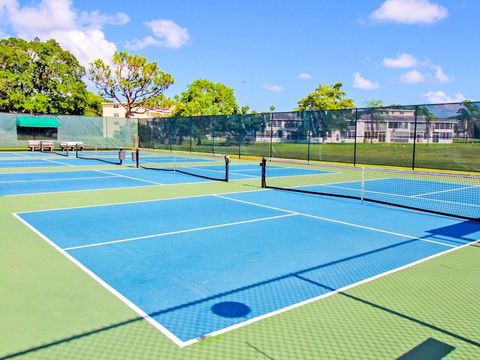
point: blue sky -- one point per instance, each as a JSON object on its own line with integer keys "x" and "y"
{"x": 276, "y": 52}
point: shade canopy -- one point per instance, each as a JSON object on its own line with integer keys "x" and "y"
{"x": 38, "y": 121}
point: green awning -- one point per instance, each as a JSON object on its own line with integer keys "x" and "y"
{"x": 38, "y": 121}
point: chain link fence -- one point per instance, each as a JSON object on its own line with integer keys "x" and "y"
{"x": 95, "y": 131}
{"x": 443, "y": 136}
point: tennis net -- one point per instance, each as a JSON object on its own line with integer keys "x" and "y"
{"x": 103, "y": 154}
{"x": 446, "y": 194}
{"x": 206, "y": 166}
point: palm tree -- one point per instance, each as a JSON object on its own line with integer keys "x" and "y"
{"x": 469, "y": 115}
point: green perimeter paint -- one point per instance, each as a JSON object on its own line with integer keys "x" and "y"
{"x": 49, "y": 303}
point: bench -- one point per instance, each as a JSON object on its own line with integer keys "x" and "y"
{"x": 33, "y": 144}
{"x": 46, "y": 145}
{"x": 71, "y": 145}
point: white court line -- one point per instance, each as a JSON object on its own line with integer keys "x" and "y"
{"x": 183, "y": 344}
{"x": 116, "y": 293}
{"x": 129, "y": 177}
{"x": 335, "y": 221}
{"x": 444, "y": 191}
{"x": 384, "y": 193}
{"x": 15, "y": 162}
{"x": 170, "y": 335}
{"x": 177, "y": 232}
{"x": 59, "y": 179}
{"x": 57, "y": 162}
{"x": 317, "y": 298}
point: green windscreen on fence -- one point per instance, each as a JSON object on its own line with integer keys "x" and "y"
{"x": 442, "y": 136}
{"x": 95, "y": 131}
{"x": 445, "y": 136}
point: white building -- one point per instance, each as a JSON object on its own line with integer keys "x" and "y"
{"x": 114, "y": 116}
{"x": 381, "y": 126}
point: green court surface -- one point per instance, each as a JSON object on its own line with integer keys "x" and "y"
{"x": 51, "y": 309}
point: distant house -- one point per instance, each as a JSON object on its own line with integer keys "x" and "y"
{"x": 114, "y": 116}
{"x": 381, "y": 126}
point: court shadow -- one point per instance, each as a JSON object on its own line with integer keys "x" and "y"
{"x": 231, "y": 309}
{"x": 461, "y": 230}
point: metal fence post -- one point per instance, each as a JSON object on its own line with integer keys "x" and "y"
{"x": 271, "y": 135}
{"x": 191, "y": 134}
{"x": 414, "y": 138}
{"x": 355, "y": 139}
{"x": 309, "y": 130}
{"x": 213, "y": 133}
{"x": 239, "y": 137}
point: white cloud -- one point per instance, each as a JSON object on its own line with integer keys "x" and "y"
{"x": 77, "y": 31}
{"x": 273, "y": 87}
{"x": 138, "y": 44}
{"x": 304, "y": 76}
{"x": 440, "y": 76}
{"x": 360, "y": 82}
{"x": 412, "y": 77}
{"x": 402, "y": 61}
{"x": 435, "y": 97}
{"x": 95, "y": 19}
{"x": 170, "y": 34}
{"x": 409, "y": 12}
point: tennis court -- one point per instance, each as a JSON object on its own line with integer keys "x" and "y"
{"x": 256, "y": 254}
{"x": 199, "y": 264}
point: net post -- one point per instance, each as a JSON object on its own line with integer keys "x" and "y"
{"x": 263, "y": 164}
{"x": 76, "y": 151}
{"x": 137, "y": 157}
{"x": 120, "y": 155}
{"x": 227, "y": 167}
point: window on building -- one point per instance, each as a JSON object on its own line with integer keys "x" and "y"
{"x": 115, "y": 106}
{"x": 115, "y": 115}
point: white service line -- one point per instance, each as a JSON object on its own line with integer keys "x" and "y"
{"x": 109, "y": 288}
{"x": 336, "y": 221}
{"x": 367, "y": 191}
{"x": 317, "y": 298}
{"x": 444, "y": 191}
{"x": 59, "y": 179}
{"x": 57, "y": 162}
{"x": 177, "y": 232}
{"x": 129, "y": 177}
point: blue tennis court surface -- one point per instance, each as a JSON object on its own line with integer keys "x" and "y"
{"x": 34, "y": 183}
{"x": 35, "y": 160}
{"x": 203, "y": 265}
{"x": 459, "y": 198}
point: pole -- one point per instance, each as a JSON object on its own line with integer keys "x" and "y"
{"x": 308, "y": 136}
{"x": 263, "y": 164}
{"x": 414, "y": 138}
{"x": 191, "y": 134}
{"x": 355, "y": 140}
{"x": 212, "y": 125}
{"x": 271, "y": 134}
{"x": 239, "y": 137}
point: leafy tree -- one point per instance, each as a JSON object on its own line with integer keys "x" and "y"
{"x": 469, "y": 115}
{"x": 374, "y": 103}
{"x": 40, "y": 77}
{"x": 424, "y": 111}
{"x": 132, "y": 81}
{"x": 376, "y": 117}
{"x": 94, "y": 105}
{"x": 205, "y": 97}
{"x": 326, "y": 97}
